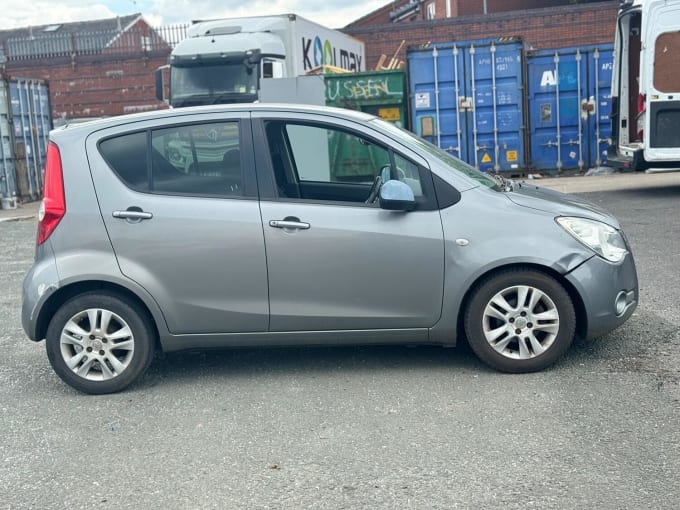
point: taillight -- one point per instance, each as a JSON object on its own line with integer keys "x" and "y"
{"x": 53, "y": 205}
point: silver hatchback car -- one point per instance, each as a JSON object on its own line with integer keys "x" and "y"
{"x": 252, "y": 225}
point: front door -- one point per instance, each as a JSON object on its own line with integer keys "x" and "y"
{"x": 335, "y": 262}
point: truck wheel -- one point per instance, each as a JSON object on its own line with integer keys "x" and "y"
{"x": 520, "y": 320}
{"x": 97, "y": 343}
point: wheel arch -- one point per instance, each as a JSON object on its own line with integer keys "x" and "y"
{"x": 63, "y": 294}
{"x": 579, "y": 306}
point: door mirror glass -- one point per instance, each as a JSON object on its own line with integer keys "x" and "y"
{"x": 397, "y": 196}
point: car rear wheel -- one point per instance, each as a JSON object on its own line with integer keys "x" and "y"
{"x": 520, "y": 320}
{"x": 97, "y": 343}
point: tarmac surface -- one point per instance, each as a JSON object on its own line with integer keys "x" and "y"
{"x": 363, "y": 427}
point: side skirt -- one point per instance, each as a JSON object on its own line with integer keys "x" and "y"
{"x": 298, "y": 338}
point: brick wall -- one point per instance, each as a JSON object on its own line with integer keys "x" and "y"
{"x": 558, "y": 27}
{"x": 95, "y": 88}
{"x": 471, "y": 7}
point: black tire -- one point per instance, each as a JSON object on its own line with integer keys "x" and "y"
{"x": 518, "y": 348}
{"x": 132, "y": 352}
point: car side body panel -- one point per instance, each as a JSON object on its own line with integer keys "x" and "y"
{"x": 485, "y": 232}
{"x": 226, "y": 299}
{"x": 355, "y": 268}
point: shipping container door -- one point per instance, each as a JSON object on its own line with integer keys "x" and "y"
{"x": 31, "y": 121}
{"x": 7, "y": 180}
{"x": 569, "y": 107}
{"x": 600, "y": 68}
{"x": 494, "y": 127}
{"x": 467, "y": 98}
{"x": 435, "y": 88}
{"x": 556, "y": 97}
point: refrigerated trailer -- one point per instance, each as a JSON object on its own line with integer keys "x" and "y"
{"x": 646, "y": 86}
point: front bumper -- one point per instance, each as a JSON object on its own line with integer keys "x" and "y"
{"x": 609, "y": 293}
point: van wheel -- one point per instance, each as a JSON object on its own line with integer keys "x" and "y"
{"x": 520, "y": 320}
{"x": 97, "y": 343}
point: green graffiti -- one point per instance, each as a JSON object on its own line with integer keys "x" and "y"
{"x": 361, "y": 88}
{"x": 328, "y": 56}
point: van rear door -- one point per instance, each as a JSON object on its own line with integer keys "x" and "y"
{"x": 661, "y": 80}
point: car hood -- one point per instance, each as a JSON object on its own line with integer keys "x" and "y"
{"x": 560, "y": 204}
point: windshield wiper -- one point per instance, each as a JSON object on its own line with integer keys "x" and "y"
{"x": 503, "y": 183}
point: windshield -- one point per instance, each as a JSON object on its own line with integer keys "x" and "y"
{"x": 443, "y": 156}
{"x": 226, "y": 82}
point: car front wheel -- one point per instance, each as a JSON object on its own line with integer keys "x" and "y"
{"x": 98, "y": 343}
{"x": 520, "y": 320}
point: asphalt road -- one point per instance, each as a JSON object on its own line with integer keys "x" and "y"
{"x": 370, "y": 427}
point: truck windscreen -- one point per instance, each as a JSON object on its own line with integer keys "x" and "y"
{"x": 212, "y": 84}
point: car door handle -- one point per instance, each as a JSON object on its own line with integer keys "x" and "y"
{"x": 299, "y": 225}
{"x": 133, "y": 214}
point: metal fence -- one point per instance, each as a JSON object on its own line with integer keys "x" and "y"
{"x": 136, "y": 40}
{"x": 173, "y": 34}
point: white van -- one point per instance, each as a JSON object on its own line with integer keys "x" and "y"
{"x": 646, "y": 86}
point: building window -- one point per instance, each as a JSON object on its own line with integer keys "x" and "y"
{"x": 430, "y": 10}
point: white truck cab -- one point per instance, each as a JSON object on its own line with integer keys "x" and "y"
{"x": 224, "y": 61}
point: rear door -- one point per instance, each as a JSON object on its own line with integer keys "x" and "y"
{"x": 179, "y": 201}
{"x": 661, "y": 78}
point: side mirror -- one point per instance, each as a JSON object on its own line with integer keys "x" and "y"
{"x": 160, "y": 92}
{"x": 397, "y": 196}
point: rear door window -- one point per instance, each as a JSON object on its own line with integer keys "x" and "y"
{"x": 196, "y": 159}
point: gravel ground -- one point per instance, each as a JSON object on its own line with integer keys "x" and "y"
{"x": 369, "y": 427}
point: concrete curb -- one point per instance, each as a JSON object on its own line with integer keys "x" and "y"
{"x": 18, "y": 218}
{"x": 611, "y": 182}
{"x": 25, "y": 211}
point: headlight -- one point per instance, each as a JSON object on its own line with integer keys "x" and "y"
{"x": 603, "y": 239}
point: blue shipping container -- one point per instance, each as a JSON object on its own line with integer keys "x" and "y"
{"x": 25, "y": 123}
{"x": 467, "y": 98}
{"x": 7, "y": 174}
{"x": 569, "y": 104}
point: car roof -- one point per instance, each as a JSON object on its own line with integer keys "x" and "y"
{"x": 88, "y": 127}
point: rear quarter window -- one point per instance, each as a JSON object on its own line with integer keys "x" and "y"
{"x": 126, "y": 155}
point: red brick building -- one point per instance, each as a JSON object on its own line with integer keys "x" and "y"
{"x": 399, "y": 11}
{"x": 540, "y": 23}
{"x": 106, "y": 67}
{"x": 94, "y": 68}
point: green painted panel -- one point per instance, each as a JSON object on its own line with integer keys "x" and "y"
{"x": 381, "y": 93}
